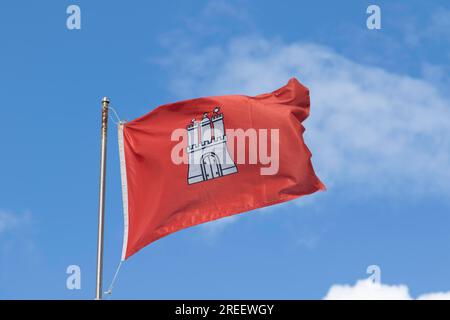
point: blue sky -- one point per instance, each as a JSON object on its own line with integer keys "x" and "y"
{"x": 378, "y": 131}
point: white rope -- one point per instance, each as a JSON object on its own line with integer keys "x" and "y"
{"x": 111, "y": 286}
{"x": 116, "y": 115}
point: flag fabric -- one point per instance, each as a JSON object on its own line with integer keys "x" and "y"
{"x": 199, "y": 160}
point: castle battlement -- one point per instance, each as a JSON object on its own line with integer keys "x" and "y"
{"x": 205, "y": 144}
{"x": 191, "y": 126}
{"x": 217, "y": 117}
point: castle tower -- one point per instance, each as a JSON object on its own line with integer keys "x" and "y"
{"x": 206, "y": 129}
{"x": 192, "y": 130}
{"x": 217, "y": 121}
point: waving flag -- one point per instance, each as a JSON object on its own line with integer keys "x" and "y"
{"x": 199, "y": 160}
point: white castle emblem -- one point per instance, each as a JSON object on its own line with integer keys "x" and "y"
{"x": 208, "y": 159}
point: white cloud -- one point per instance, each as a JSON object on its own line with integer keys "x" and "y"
{"x": 369, "y": 128}
{"x": 435, "y": 296}
{"x": 368, "y": 290}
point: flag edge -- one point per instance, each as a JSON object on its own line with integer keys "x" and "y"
{"x": 123, "y": 176}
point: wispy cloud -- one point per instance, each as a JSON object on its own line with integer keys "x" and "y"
{"x": 11, "y": 221}
{"x": 369, "y": 128}
{"x": 435, "y": 28}
{"x": 19, "y": 252}
{"x": 368, "y": 290}
{"x": 15, "y": 231}
{"x": 211, "y": 230}
{"x": 217, "y": 19}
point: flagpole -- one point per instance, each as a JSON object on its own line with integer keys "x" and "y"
{"x": 101, "y": 205}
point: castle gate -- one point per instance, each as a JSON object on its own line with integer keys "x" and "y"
{"x": 211, "y": 167}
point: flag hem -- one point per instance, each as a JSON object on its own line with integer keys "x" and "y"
{"x": 123, "y": 176}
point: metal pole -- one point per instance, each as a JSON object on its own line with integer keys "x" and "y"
{"x": 101, "y": 205}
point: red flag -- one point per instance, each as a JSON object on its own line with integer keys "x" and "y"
{"x": 198, "y": 160}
